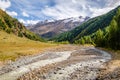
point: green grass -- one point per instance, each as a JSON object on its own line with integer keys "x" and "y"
{"x": 12, "y": 47}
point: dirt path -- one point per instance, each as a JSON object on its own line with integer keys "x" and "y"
{"x": 62, "y": 65}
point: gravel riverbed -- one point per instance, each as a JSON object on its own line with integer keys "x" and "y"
{"x": 78, "y": 64}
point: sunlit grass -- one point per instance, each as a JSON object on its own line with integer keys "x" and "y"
{"x": 115, "y": 56}
{"x": 12, "y": 47}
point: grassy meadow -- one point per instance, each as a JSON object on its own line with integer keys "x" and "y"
{"x": 12, "y": 47}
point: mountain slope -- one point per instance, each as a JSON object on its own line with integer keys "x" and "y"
{"x": 87, "y": 28}
{"x": 48, "y": 29}
{"x": 12, "y": 46}
{"x": 111, "y": 36}
{"x": 12, "y": 25}
{"x": 108, "y": 37}
{"x": 15, "y": 39}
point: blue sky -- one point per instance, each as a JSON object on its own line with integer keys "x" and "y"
{"x": 32, "y": 11}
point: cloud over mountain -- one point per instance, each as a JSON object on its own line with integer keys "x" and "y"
{"x": 57, "y": 9}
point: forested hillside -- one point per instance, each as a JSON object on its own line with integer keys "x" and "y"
{"x": 12, "y": 25}
{"x": 87, "y": 28}
{"x": 108, "y": 37}
{"x": 101, "y": 31}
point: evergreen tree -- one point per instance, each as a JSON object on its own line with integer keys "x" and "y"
{"x": 114, "y": 32}
{"x": 99, "y": 38}
{"x": 82, "y": 41}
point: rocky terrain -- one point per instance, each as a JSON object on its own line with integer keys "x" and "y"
{"x": 112, "y": 69}
{"x": 48, "y": 29}
{"x": 72, "y": 63}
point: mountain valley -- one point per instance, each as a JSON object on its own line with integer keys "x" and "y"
{"x": 75, "y": 48}
{"x": 49, "y": 29}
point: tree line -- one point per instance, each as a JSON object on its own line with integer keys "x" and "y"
{"x": 108, "y": 37}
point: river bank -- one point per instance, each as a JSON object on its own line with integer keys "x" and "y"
{"x": 68, "y": 62}
{"x": 83, "y": 64}
{"x": 112, "y": 68}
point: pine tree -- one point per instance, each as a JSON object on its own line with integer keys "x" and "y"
{"x": 82, "y": 41}
{"x": 99, "y": 38}
{"x": 114, "y": 32}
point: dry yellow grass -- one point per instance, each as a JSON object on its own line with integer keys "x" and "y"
{"x": 116, "y": 59}
{"x": 115, "y": 62}
{"x": 115, "y": 56}
{"x": 12, "y": 47}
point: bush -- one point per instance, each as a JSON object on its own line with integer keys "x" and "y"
{"x": 8, "y": 31}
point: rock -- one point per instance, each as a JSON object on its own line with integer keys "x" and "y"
{"x": 60, "y": 73}
{"x": 58, "y": 68}
{"x": 55, "y": 73}
{"x": 44, "y": 77}
{"x": 18, "y": 66}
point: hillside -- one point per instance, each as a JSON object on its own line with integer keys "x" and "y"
{"x": 15, "y": 39}
{"x": 87, "y": 28}
{"x": 50, "y": 29}
{"x": 110, "y": 36}
{"x": 102, "y": 31}
{"x": 12, "y": 47}
{"x": 12, "y": 25}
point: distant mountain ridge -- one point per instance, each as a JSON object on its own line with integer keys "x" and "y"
{"x": 49, "y": 29}
{"x": 12, "y": 25}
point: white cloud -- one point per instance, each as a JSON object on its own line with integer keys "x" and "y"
{"x": 110, "y": 4}
{"x": 13, "y": 13}
{"x": 65, "y": 9}
{"x": 60, "y": 9}
{"x": 4, "y": 4}
{"x": 73, "y": 8}
{"x": 25, "y": 14}
{"x": 74, "y": 1}
{"x": 22, "y": 21}
{"x": 28, "y": 21}
{"x": 98, "y": 12}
